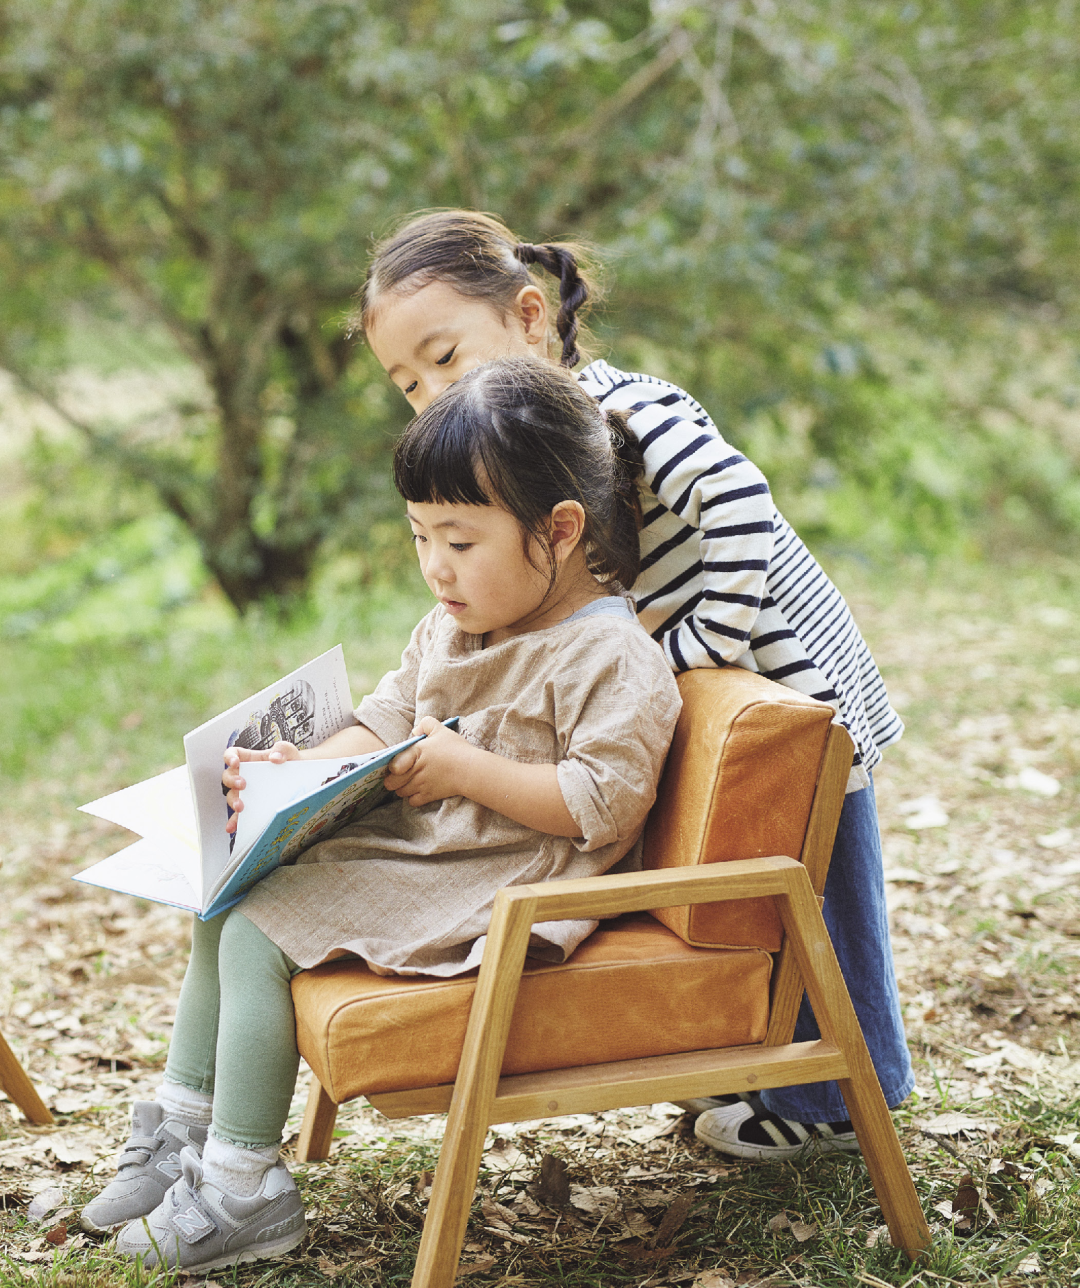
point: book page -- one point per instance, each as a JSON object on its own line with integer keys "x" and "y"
{"x": 269, "y": 787}
{"x": 150, "y": 869}
{"x": 304, "y": 707}
{"x": 159, "y": 808}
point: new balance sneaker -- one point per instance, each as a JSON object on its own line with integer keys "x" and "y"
{"x": 149, "y": 1164}
{"x": 748, "y": 1132}
{"x": 200, "y": 1227}
{"x": 702, "y": 1104}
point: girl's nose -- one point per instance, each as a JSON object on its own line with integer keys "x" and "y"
{"x": 438, "y": 567}
{"x": 437, "y": 386}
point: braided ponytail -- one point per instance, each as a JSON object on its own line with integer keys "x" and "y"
{"x": 480, "y": 258}
{"x": 573, "y": 292}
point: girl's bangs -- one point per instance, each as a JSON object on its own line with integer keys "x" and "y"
{"x": 436, "y": 460}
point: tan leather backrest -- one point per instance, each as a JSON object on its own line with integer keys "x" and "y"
{"x": 738, "y": 784}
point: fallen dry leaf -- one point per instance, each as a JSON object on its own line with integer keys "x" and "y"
{"x": 71, "y": 1152}
{"x": 803, "y": 1230}
{"x": 477, "y": 1267}
{"x": 497, "y": 1215}
{"x": 553, "y": 1187}
{"x": 594, "y": 1198}
{"x": 956, "y": 1124}
{"x": 673, "y": 1219}
{"x": 713, "y": 1279}
{"x": 965, "y": 1205}
{"x": 504, "y": 1156}
{"x": 44, "y": 1203}
{"x": 331, "y": 1269}
{"x": 778, "y": 1222}
{"x": 879, "y": 1234}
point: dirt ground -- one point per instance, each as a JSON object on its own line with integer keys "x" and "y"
{"x": 980, "y": 814}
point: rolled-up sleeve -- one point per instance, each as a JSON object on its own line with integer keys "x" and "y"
{"x": 616, "y": 728}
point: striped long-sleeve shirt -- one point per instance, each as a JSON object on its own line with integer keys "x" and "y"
{"x": 725, "y": 580}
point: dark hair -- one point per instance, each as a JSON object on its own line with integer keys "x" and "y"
{"x": 481, "y": 258}
{"x": 523, "y": 434}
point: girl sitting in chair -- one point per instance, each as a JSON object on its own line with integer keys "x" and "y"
{"x": 521, "y": 498}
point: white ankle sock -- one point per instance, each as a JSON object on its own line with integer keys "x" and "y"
{"x": 184, "y": 1105}
{"x": 237, "y": 1169}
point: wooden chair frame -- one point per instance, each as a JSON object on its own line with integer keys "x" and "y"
{"x": 480, "y": 1097}
{"x": 18, "y": 1087}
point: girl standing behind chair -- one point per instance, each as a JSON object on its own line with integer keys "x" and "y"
{"x": 723, "y": 580}
{"x": 519, "y": 494}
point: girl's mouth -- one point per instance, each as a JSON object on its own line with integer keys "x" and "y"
{"x": 454, "y": 606}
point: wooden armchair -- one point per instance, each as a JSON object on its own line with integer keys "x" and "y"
{"x": 692, "y": 989}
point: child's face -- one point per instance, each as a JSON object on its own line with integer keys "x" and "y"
{"x": 474, "y": 563}
{"x": 431, "y": 338}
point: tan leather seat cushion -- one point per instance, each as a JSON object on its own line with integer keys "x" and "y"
{"x": 738, "y": 784}
{"x": 632, "y": 989}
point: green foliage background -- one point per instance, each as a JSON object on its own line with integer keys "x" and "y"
{"x": 848, "y": 228}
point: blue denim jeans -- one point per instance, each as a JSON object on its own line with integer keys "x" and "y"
{"x": 858, "y": 923}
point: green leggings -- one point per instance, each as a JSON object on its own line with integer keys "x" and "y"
{"x": 235, "y": 1032}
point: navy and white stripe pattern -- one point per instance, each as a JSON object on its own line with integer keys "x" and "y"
{"x": 724, "y": 578}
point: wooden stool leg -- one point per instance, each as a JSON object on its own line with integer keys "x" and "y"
{"x": 14, "y": 1080}
{"x": 317, "y": 1129}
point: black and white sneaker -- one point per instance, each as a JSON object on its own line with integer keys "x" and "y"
{"x": 746, "y": 1131}
{"x": 702, "y": 1104}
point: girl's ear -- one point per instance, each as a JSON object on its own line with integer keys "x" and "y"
{"x": 530, "y": 309}
{"x": 567, "y": 529}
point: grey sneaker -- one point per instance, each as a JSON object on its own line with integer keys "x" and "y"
{"x": 199, "y": 1227}
{"x": 149, "y": 1164}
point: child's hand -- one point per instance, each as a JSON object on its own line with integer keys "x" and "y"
{"x": 232, "y": 780}
{"x": 432, "y": 770}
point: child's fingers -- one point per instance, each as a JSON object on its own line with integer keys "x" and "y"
{"x": 402, "y": 765}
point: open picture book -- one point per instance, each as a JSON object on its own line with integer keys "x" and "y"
{"x": 185, "y": 857}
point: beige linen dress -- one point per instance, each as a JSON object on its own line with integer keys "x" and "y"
{"x": 411, "y": 889}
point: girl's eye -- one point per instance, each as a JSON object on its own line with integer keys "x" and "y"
{"x": 441, "y": 362}
{"x": 460, "y": 545}
{"x": 409, "y": 388}
{"x": 418, "y": 538}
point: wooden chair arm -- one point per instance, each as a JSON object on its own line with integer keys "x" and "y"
{"x": 615, "y": 893}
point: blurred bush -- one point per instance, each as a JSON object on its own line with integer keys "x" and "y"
{"x": 848, "y": 228}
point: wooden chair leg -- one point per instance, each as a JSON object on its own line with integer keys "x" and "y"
{"x": 885, "y": 1162}
{"x": 317, "y": 1129}
{"x": 869, "y": 1114}
{"x": 474, "y": 1092}
{"x": 16, "y": 1083}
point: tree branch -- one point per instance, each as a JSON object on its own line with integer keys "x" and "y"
{"x": 135, "y": 462}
